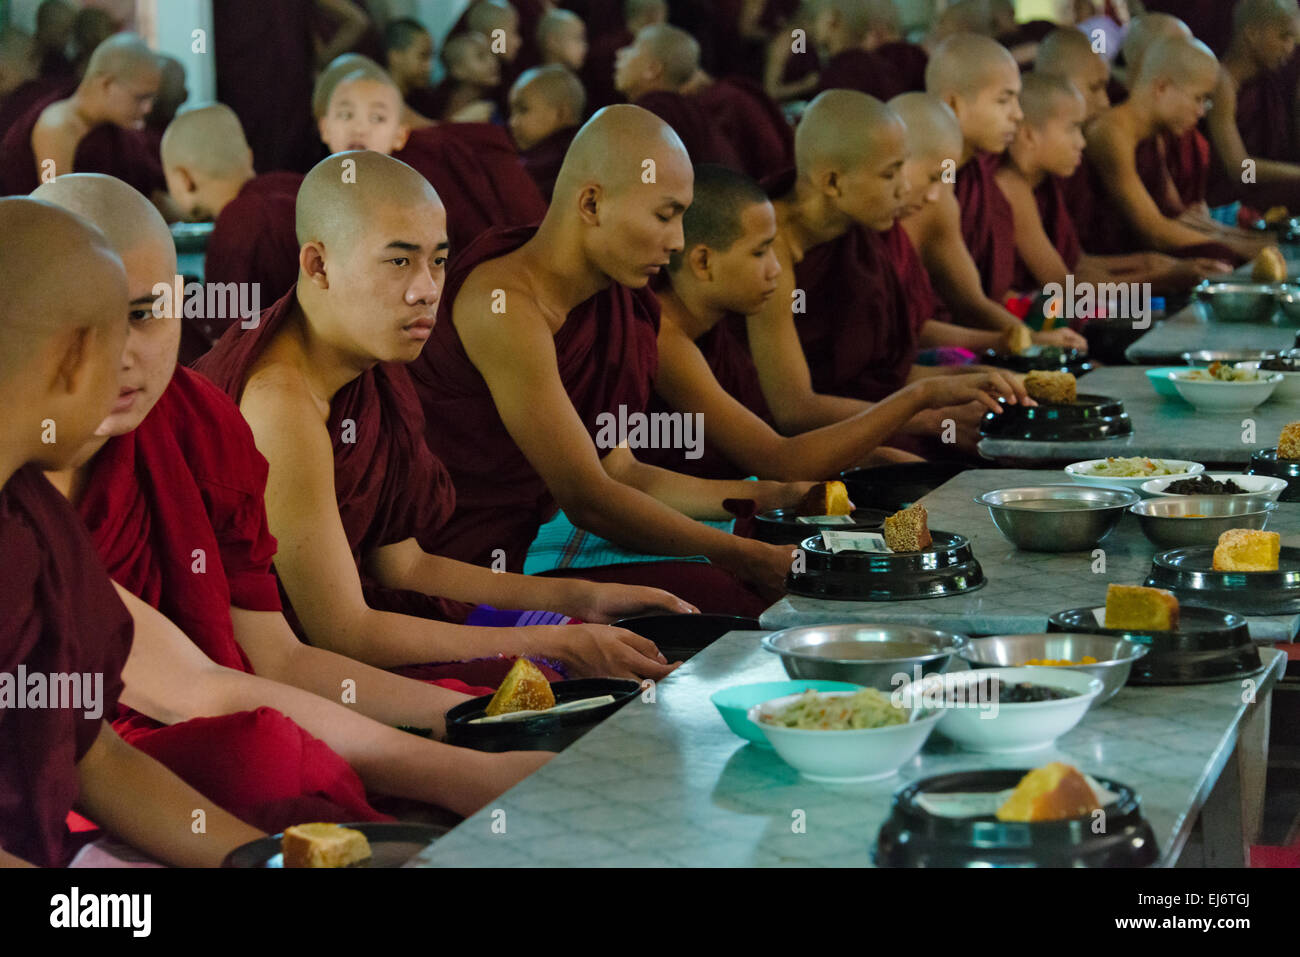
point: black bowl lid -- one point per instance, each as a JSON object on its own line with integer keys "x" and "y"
{"x": 623, "y": 690}
{"x": 948, "y": 567}
{"x": 1060, "y": 360}
{"x": 892, "y": 487}
{"x": 1188, "y": 572}
{"x": 1088, "y": 417}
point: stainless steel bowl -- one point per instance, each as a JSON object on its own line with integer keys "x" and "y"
{"x": 1239, "y": 301}
{"x": 1203, "y": 357}
{"x": 1166, "y": 522}
{"x": 869, "y": 655}
{"x": 1288, "y": 300}
{"x": 1115, "y": 656}
{"x": 1057, "y": 518}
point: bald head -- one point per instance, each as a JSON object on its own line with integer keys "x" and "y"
{"x": 345, "y": 65}
{"x": 842, "y": 128}
{"x": 964, "y": 16}
{"x": 1067, "y": 53}
{"x": 556, "y": 22}
{"x": 1181, "y": 61}
{"x": 612, "y": 147}
{"x": 1267, "y": 14}
{"x": 965, "y": 64}
{"x": 484, "y": 16}
{"x": 1043, "y": 97}
{"x": 642, "y": 13}
{"x": 556, "y": 87}
{"x": 857, "y": 19}
{"x": 675, "y": 50}
{"x": 172, "y": 93}
{"x": 122, "y": 214}
{"x": 54, "y": 20}
{"x": 208, "y": 141}
{"x": 91, "y": 27}
{"x": 124, "y": 57}
{"x": 1143, "y": 32}
{"x": 932, "y": 127}
{"x": 345, "y": 189}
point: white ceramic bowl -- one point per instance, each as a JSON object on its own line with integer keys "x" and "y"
{"x": 1261, "y": 486}
{"x": 1211, "y": 395}
{"x": 1288, "y": 391}
{"x": 863, "y": 754}
{"x": 978, "y": 726}
{"x": 1079, "y": 472}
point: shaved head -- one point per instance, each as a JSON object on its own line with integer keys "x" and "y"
{"x": 610, "y": 148}
{"x": 965, "y": 16}
{"x": 54, "y": 20}
{"x": 346, "y": 65}
{"x": 1143, "y": 32}
{"x": 1044, "y": 95}
{"x": 172, "y": 93}
{"x": 91, "y": 27}
{"x": 207, "y": 140}
{"x": 558, "y": 87}
{"x": 488, "y": 15}
{"x": 1182, "y": 61}
{"x": 676, "y": 50}
{"x": 857, "y": 18}
{"x": 555, "y": 21}
{"x": 123, "y": 215}
{"x": 335, "y": 199}
{"x": 965, "y": 64}
{"x": 932, "y": 127}
{"x": 841, "y": 128}
{"x": 1264, "y": 13}
{"x": 123, "y": 57}
{"x": 643, "y": 12}
{"x": 401, "y": 33}
{"x": 1067, "y": 53}
{"x": 17, "y": 59}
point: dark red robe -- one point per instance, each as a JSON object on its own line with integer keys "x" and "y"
{"x": 61, "y": 616}
{"x": 23, "y": 97}
{"x": 751, "y": 123}
{"x": 255, "y": 239}
{"x": 598, "y": 70}
{"x": 388, "y": 484}
{"x": 1210, "y": 20}
{"x": 862, "y": 71}
{"x": 1267, "y": 127}
{"x": 479, "y": 176}
{"x": 907, "y": 63}
{"x": 697, "y": 127}
{"x": 1054, "y": 212}
{"x": 988, "y": 226}
{"x": 543, "y": 160}
{"x": 108, "y": 149}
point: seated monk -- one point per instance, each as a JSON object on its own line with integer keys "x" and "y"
{"x": 1252, "y": 119}
{"x": 547, "y": 106}
{"x": 473, "y": 164}
{"x": 562, "y": 39}
{"x": 598, "y": 72}
{"x": 1048, "y": 149}
{"x": 966, "y": 239}
{"x": 468, "y": 94}
{"x": 512, "y": 46}
{"x": 1176, "y": 78}
{"x": 54, "y": 21}
{"x": 173, "y": 469}
{"x": 863, "y": 40}
{"x": 171, "y": 96}
{"x": 61, "y": 345}
{"x": 21, "y": 85}
{"x": 408, "y": 57}
{"x": 653, "y": 71}
{"x": 542, "y": 337}
{"x": 354, "y": 496}
{"x": 210, "y": 177}
{"x": 98, "y": 129}
{"x": 726, "y": 270}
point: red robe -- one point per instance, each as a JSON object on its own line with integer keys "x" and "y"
{"x": 22, "y": 98}
{"x": 388, "y": 484}
{"x": 1054, "y": 212}
{"x": 108, "y": 149}
{"x": 255, "y": 240}
{"x": 907, "y": 63}
{"x": 859, "y": 70}
{"x": 61, "y": 616}
{"x": 479, "y": 176}
{"x": 543, "y": 160}
{"x": 1267, "y": 128}
{"x": 987, "y": 224}
{"x": 751, "y": 123}
{"x": 697, "y": 127}
{"x": 598, "y": 70}
{"x": 1210, "y": 20}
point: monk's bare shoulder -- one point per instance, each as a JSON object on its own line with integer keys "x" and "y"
{"x": 495, "y": 290}
{"x": 1015, "y": 188}
{"x": 1111, "y": 137}
{"x": 278, "y": 401}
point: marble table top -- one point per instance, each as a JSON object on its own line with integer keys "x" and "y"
{"x": 1194, "y": 328}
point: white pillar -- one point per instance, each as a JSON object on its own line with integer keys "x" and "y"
{"x": 183, "y": 29}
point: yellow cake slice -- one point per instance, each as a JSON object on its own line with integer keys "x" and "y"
{"x": 825, "y": 498}
{"x": 525, "y": 688}
{"x": 908, "y": 530}
{"x": 1288, "y": 443}
{"x": 1144, "y": 609}
{"x": 1054, "y": 792}
{"x": 1247, "y": 550}
{"x": 323, "y": 845}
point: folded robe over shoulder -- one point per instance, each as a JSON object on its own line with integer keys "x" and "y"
{"x": 755, "y": 127}
{"x": 389, "y": 486}
{"x": 988, "y": 226}
{"x": 1054, "y": 213}
{"x": 61, "y": 617}
{"x": 696, "y": 126}
{"x": 479, "y": 176}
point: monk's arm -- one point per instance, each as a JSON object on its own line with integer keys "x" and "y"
{"x": 1221, "y": 122}
{"x": 53, "y": 141}
{"x": 138, "y": 799}
{"x": 13, "y": 860}
{"x": 276, "y": 654}
{"x": 1033, "y": 244}
{"x": 698, "y": 497}
{"x": 352, "y": 22}
{"x": 935, "y": 333}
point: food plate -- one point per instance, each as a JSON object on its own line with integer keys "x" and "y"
{"x": 1082, "y": 472}
{"x": 914, "y": 837}
{"x": 1211, "y": 395}
{"x": 947, "y": 567}
{"x": 681, "y": 636}
{"x": 1044, "y": 358}
{"x": 1266, "y": 462}
{"x": 391, "y": 845}
{"x": 1209, "y": 645}
{"x": 781, "y": 526}
{"x": 1088, "y": 417}
{"x": 1188, "y": 573}
{"x": 894, "y": 487}
{"x": 545, "y": 732}
{"x": 734, "y": 703}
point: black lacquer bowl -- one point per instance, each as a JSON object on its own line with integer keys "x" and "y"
{"x": 1088, "y": 418}
{"x": 947, "y": 567}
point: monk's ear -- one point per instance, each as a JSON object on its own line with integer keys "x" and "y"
{"x": 186, "y": 178}
{"x": 700, "y": 260}
{"x": 73, "y": 350}
{"x": 311, "y": 261}
{"x": 589, "y": 201}
{"x": 399, "y": 141}
{"x": 952, "y": 99}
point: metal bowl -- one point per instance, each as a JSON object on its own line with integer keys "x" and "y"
{"x": 869, "y": 655}
{"x": 1115, "y": 656}
{"x": 1057, "y": 518}
{"x": 1239, "y": 301}
{"x": 1165, "y": 520}
{"x": 1288, "y": 300}
{"x": 1203, "y": 357}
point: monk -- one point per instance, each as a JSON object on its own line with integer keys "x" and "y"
{"x": 325, "y": 369}
{"x": 473, "y": 164}
{"x": 727, "y": 269}
{"x": 90, "y": 27}
{"x": 519, "y": 402}
{"x": 1252, "y": 119}
{"x": 562, "y": 39}
{"x": 408, "y": 57}
{"x": 59, "y": 355}
{"x": 598, "y": 72}
{"x": 54, "y": 20}
{"x": 97, "y": 129}
{"x": 862, "y": 39}
{"x": 1176, "y": 80}
{"x": 967, "y": 240}
{"x": 172, "y": 470}
{"x": 211, "y": 177}
{"x": 1068, "y": 53}
{"x": 547, "y": 105}
{"x": 20, "y": 83}
{"x": 500, "y": 23}
{"x": 473, "y": 79}
{"x": 1048, "y": 149}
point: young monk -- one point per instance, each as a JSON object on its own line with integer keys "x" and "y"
{"x": 598, "y": 72}
{"x": 473, "y": 79}
{"x": 354, "y": 496}
{"x": 54, "y": 20}
{"x": 547, "y": 105}
{"x": 1176, "y": 80}
{"x": 60, "y": 347}
{"x": 514, "y": 399}
{"x": 1048, "y": 149}
{"x": 473, "y": 164}
{"x": 967, "y": 241}
{"x": 210, "y": 177}
{"x": 862, "y": 39}
{"x": 96, "y": 129}
{"x": 1068, "y": 53}
{"x": 408, "y": 57}
{"x": 173, "y": 470}
{"x": 727, "y": 269}
{"x": 1253, "y": 114}
{"x": 562, "y": 39}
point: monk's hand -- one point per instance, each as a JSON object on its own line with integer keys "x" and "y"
{"x": 983, "y": 387}
{"x": 1065, "y": 338}
{"x": 599, "y": 651}
{"x": 599, "y": 602}
{"x": 762, "y": 566}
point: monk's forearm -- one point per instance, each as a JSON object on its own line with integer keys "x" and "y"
{"x": 935, "y": 334}
{"x": 133, "y": 796}
{"x": 390, "y": 640}
{"x": 814, "y": 411}
{"x": 461, "y": 581}
{"x": 12, "y": 860}
{"x": 700, "y": 498}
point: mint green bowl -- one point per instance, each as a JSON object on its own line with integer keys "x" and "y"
{"x": 1161, "y": 383}
{"x": 734, "y": 703}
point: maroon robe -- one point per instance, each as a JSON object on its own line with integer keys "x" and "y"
{"x": 751, "y": 123}
{"x": 1267, "y": 128}
{"x": 543, "y": 160}
{"x": 697, "y": 126}
{"x": 988, "y": 226}
{"x": 429, "y": 101}
{"x": 1210, "y": 20}
{"x": 61, "y": 616}
{"x": 857, "y": 69}
{"x": 907, "y": 63}
{"x": 598, "y": 70}
{"x": 388, "y": 484}
{"x": 479, "y": 176}
{"x": 255, "y": 239}
{"x": 22, "y": 98}
{"x": 108, "y": 149}
{"x": 918, "y": 293}
{"x": 1054, "y": 212}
